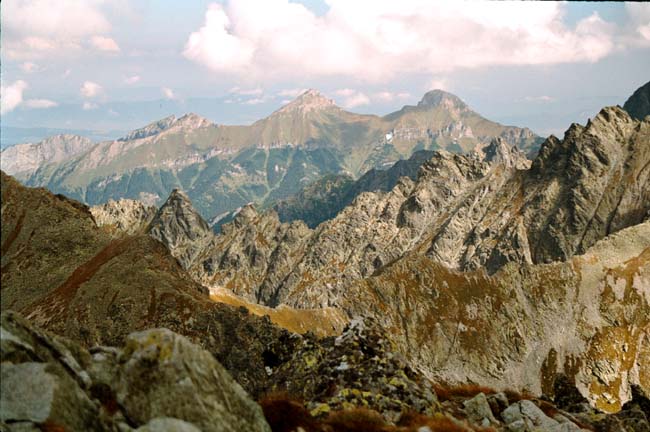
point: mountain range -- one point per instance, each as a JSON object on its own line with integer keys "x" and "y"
{"x": 222, "y": 167}
{"x": 462, "y": 292}
{"x": 564, "y": 239}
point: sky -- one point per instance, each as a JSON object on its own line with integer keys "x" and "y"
{"x": 115, "y": 65}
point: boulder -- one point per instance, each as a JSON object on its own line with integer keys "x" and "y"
{"x": 164, "y": 374}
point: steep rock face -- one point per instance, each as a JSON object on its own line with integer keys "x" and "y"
{"x": 125, "y": 215}
{"x": 157, "y": 374}
{"x": 180, "y": 228}
{"x": 638, "y": 105}
{"x": 27, "y": 158}
{"x": 587, "y": 318}
{"x": 251, "y": 255}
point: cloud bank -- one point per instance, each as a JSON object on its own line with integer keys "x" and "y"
{"x": 378, "y": 40}
{"x": 11, "y": 97}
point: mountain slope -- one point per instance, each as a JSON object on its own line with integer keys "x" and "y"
{"x": 638, "y": 105}
{"x": 222, "y": 168}
{"x": 587, "y": 318}
{"x": 27, "y": 158}
{"x": 325, "y": 198}
{"x": 64, "y": 273}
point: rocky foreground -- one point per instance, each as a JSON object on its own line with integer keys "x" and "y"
{"x": 160, "y": 381}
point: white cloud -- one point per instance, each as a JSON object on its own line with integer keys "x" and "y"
{"x": 87, "y": 106}
{"x": 380, "y": 39}
{"x": 639, "y": 16}
{"x": 168, "y": 93}
{"x": 132, "y": 79}
{"x": 104, "y": 44}
{"x": 12, "y": 96}
{"x": 352, "y": 98}
{"x": 37, "y": 28}
{"x": 66, "y": 73}
{"x": 90, "y": 89}
{"x": 29, "y": 67}
{"x": 40, "y": 103}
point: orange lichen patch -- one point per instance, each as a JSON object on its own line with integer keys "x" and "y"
{"x": 631, "y": 268}
{"x": 611, "y": 347}
{"x": 50, "y": 426}
{"x": 446, "y": 392}
{"x": 322, "y": 322}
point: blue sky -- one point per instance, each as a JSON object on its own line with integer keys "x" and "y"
{"x": 119, "y": 64}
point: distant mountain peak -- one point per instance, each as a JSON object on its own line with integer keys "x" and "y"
{"x": 187, "y": 121}
{"x": 310, "y": 100}
{"x": 435, "y": 98}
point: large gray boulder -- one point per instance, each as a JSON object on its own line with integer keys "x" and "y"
{"x": 164, "y": 374}
{"x": 158, "y": 381}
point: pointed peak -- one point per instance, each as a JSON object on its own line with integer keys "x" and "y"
{"x": 310, "y": 100}
{"x": 436, "y": 98}
{"x": 192, "y": 121}
{"x": 177, "y": 194}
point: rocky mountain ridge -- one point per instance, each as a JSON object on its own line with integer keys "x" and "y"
{"x": 466, "y": 212}
{"x": 538, "y": 232}
{"x": 27, "y": 158}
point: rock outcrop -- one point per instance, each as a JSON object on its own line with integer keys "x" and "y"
{"x": 180, "y": 228}
{"x": 158, "y": 380}
{"x": 125, "y": 216}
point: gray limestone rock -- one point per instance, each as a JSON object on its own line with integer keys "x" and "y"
{"x": 164, "y": 374}
{"x": 478, "y": 410}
